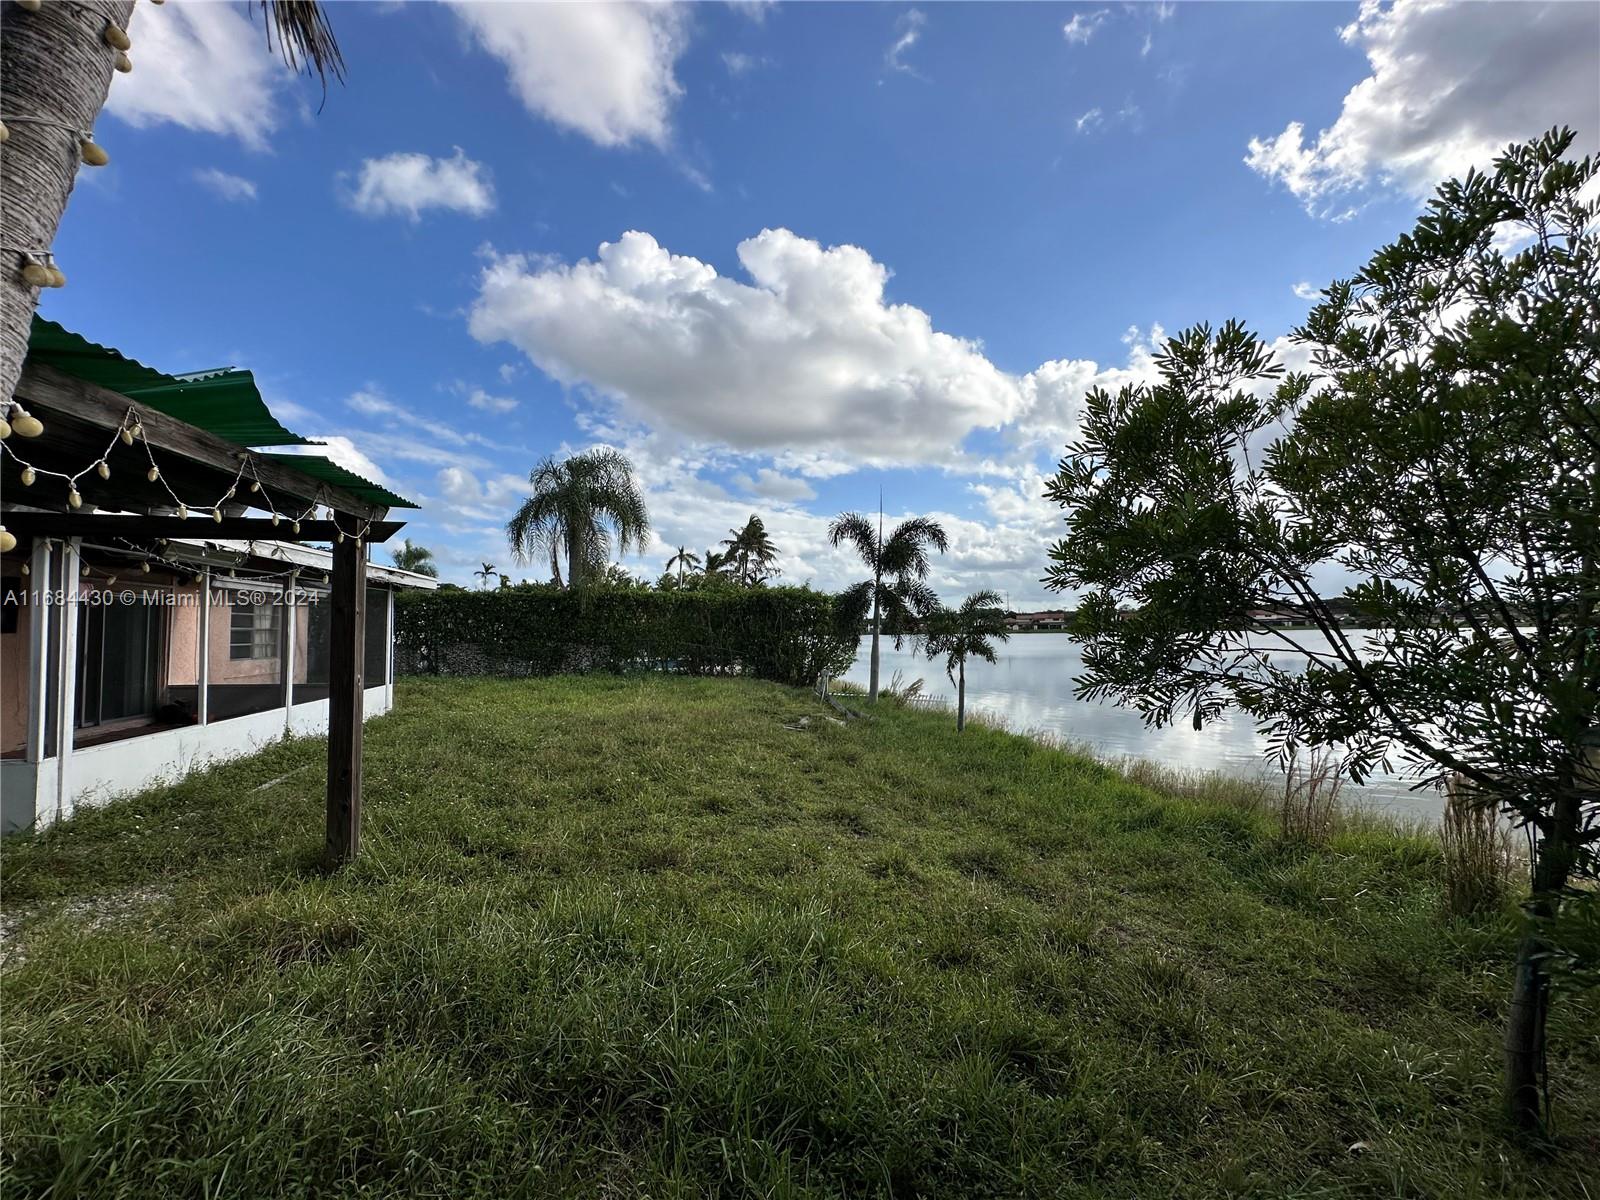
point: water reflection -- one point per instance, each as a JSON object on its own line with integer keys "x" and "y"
{"x": 1030, "y": 688}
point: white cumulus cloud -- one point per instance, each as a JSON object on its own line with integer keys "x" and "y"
{"x": 603, "y": 70}
{"x": 808, "y": 356}
{"x": 204, "y": 67}
{"x": 1450, "y": 86}
{"x": 410, "y": 184}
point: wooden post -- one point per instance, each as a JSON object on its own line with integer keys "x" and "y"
{"x": 346, "y": 698}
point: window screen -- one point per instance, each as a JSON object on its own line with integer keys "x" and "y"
{"x": 253, "y": 631}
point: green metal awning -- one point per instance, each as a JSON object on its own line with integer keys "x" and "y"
{"x": 225, "y": 403}
{"x": 331, "y": 472}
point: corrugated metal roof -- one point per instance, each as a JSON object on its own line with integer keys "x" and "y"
{"x": 223, "y": 402}
{"x": 226, "y": 402}
{"x": 329, "y": 471}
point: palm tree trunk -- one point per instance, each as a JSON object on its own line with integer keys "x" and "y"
{"x": 1530, "y": 988}
{"x": 872, "y": 684}
{"x": 555, "y": 564}
{"x": 574, "y": 559}
{"x": 961, "y": 696}
{"x": 53, "y": 66}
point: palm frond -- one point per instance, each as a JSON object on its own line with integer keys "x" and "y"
{"x": 304, "y": 38}
{"x": 905, "y": 552}
{"x": 859, "y": 532}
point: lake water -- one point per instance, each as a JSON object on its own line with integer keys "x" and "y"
{"x": 1030, "y": 689}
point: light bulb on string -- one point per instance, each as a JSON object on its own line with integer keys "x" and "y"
{"x": 103, "y": 469}
{"x": 5, "y": 429}
{"x": 122, "y": 62}
{"x": 28, "y": 477}
{"x": 94, "y": 155}
{"x": 36, "y": 274}
{"x": 73, "y": 499}
{"x": 116, "y": 37}
{"x": 153, "y": 474}
{"x": 8, "y": 540}
{"x": 183, "y": 511}
{"x": 24, "y": 423}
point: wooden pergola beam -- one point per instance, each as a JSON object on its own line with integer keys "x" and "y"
{"x": 24, "y": 523}
{"x": 45, "y": 389}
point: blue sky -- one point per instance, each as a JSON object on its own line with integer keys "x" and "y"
{"x": 846, "y": 246}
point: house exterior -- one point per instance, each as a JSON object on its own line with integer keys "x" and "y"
{"x": 143, "y": 636}
{"x": 1024, "y": 622}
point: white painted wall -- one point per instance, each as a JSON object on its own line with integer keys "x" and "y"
{"x": 96, "y": 774}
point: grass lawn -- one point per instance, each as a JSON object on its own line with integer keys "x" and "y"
{"x": 645, "y": 937}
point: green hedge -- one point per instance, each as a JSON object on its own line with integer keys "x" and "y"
{"x": 787, "y": 634}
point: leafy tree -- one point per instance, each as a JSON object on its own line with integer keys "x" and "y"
{"x": 896, "y": 595}
{"x": 684, "y": 558}
{"x": 954, "y": 634}
{"x": 579, "y": 504}
{"x": 51, "y": 68}
{"x": 485, "y": 573}
{"x": 1439, "y": 466}
{"x": 409, "y": 556}
{"x": 750, "y": 552}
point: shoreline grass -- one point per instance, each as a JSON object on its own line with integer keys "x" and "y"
{"x": 670, "y": 937}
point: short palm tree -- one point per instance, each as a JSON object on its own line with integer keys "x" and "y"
{"x": 409, "y": 556}
{"x": 487, "y": 572}
{"x": 685, "y": 557}
{"x": 954, "y": 634}
{"x": 578, "y": 505}
{"x": 899, "y": 565}
{"x": 751, "y": 551}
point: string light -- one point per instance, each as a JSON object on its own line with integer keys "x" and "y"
{"x": 8, "y": 540}
{"x": 90, "y": 152}
{"x": 131, "y": 429}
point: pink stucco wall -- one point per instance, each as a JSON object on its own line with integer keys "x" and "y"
{"x": 14, "y": 672}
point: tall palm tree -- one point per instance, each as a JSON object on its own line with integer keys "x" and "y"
{"x": 409, "y": 556}
{"x": 577, "y": 506}
{"x": 685, "y": 557}
{"x": 899, "y": 564}
{"x": 486, "y": 573}
{"x": 751, "y": 551}
{"x": 953, "y": 634}
{"x": 56, "y": 63}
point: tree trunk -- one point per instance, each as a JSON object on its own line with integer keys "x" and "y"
{"x": 872, "y": 684}
{"x": 1530, "y": 989}
{"x": 555, "y": 564}
{"x": 54, "y": 65}
{"x": 574, "y": 554}
{"x": 961, "y": 696}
